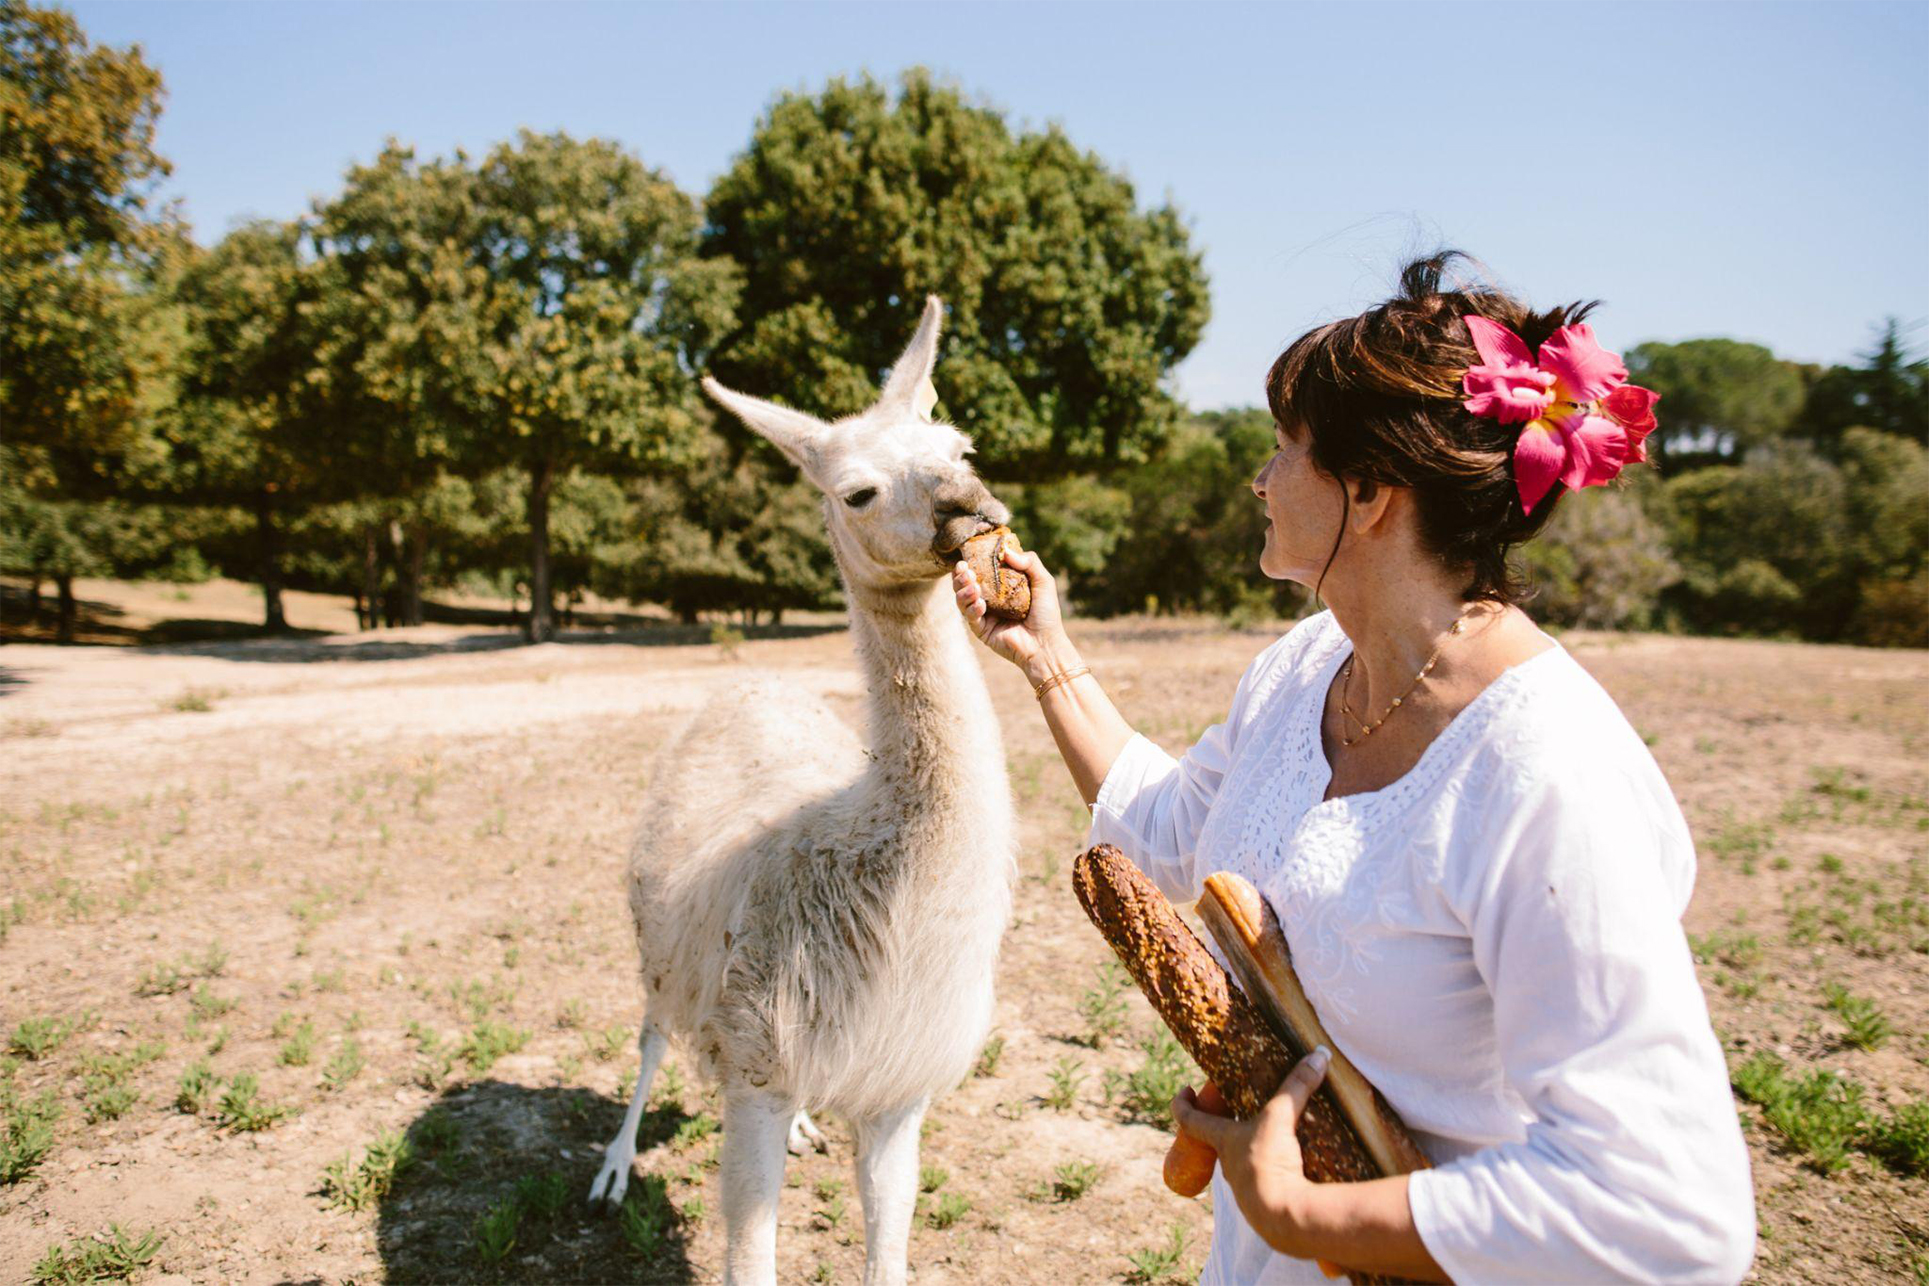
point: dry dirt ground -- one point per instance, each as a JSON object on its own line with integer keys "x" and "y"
{"x": 379, "y": 875}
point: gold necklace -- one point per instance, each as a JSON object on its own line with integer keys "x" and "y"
{"x": 1346, "y": 681}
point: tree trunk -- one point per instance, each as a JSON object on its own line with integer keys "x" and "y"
{"x": 274, "y": 620}
{"x": 64, "y": 584}
{"x": 33, "y": 596}
{"x": 371, "y": 576}
{"x": 541, "y": 626}
{"x": 416, "y": 541}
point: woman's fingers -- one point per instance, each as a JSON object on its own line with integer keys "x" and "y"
{"x": 1297, "y": 1089}
{"x": 1208, "y": 1127}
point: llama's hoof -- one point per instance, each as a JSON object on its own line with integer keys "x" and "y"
{"x": 804, "y": 1136}
{"x": 613, "y": 1180}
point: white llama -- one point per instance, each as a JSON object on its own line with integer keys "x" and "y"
{"x": 818, "y": 921}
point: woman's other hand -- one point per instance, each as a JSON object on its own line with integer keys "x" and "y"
{"x": 1029, "y": 643}
{"x": 1260, "y": 1156}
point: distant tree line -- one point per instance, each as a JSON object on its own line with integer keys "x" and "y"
{"x": 480, "y": 372}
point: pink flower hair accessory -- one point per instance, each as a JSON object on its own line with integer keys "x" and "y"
{"x": 1581, "y": 420}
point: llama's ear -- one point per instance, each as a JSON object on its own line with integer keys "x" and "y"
{"x": 797, "y": 435}
{"x": 910, "y": 382}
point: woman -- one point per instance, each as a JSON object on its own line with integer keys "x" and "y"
{"x": 1478, "y": 865}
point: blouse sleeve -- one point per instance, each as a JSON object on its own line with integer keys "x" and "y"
{"x": 1633, "y": 1166}
{"x": 1152, "y": 806}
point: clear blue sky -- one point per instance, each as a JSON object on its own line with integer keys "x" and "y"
{"x": 1755, "y": 170}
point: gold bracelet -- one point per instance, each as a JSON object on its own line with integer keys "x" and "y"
{"x": 1063, "y": 676}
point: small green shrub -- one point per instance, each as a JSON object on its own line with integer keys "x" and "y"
{"x": 947, "y": 1210}
{"x": 1821, "y": 1114}
{"x": 1146, "y": 1094}
{"x": 1900, "y": 1140}
{"x": 1867, "y": 1027}
{"x": 1162, "y": 1265}
{"x": 358, "y": 1185}
{"x": 1102, "y": 1006}
{"x": 26, "y": 1131}
{"x": 1066, "y": 1077}
{"x": 495, "y": 1231}
{"x": 989, "y": 1056}
{"x": 241, "y": 1108}
{"x": 489, "y": 1041}
{"x": 645, "y": 1218}
{"x": 114, "y": 1256}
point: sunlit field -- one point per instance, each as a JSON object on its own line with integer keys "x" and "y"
{"x": 314, "y": 963}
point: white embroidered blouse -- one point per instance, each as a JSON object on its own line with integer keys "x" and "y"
{"x": 1495, "y": 941}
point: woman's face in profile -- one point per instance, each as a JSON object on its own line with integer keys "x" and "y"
{"x": 1302, "y": 509}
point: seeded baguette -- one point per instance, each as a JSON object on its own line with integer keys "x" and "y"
{"x": 1250, "y": 938}
{"x": 1007, "y": 590}
{"x": 1228, "y": 1037}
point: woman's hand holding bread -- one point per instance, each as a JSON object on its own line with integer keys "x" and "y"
{"x": 1036, "y": 643}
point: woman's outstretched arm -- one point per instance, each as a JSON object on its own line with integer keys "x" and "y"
{"x": 1088, "y": 728}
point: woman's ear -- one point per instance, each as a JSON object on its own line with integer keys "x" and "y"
{"x": 1372, "y": 502}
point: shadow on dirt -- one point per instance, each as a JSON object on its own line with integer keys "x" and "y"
{"x": 495, "y": 1192}
{"x": 493, "y": 630}
{"x": 285, "y": 648}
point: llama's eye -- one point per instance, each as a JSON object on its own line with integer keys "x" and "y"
{"x": 861, "y": 497}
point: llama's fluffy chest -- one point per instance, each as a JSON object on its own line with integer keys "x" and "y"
{"x": 862, "y": 969}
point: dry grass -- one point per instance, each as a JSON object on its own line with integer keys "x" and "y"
{"x": 341, "y": 968}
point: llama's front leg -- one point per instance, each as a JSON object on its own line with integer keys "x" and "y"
{"x": 755, "y": 1126}
{"x": 887, "y": 1182}
{"x": 613, "y": 1180}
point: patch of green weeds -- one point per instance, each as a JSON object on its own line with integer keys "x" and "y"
{"x": 495, "y": 1231}
{"x": 242, "y": 1109}
{"x": 1734, "y": 949}
{"x": 345, "y": 1064}
{"x": 36, "y": 1038}
{"x": 1069, "y": 1182}
{"x": 115, "y": 1255}
{"x": 947, "y": 1210}
{"x": 206, "y": 1004}
{"x": 350, "y": 1184}
{"x": 1146, "y": 1094}
{"x": 606, "y": 1045}
{"x": 1102, "y": 1005}
{"x": 1161, "y": 1265}
{"x": 26, "y": 1131}
{"x": 1819, "y": 1114}
{"x": 488, "y": 1042}
{"x": 1900, "y": 1139}
{"x": 1066, "y": 1077}
{"x": 299, "y": 1049}
{"x": 989, "y": 1056}
{"x": 172, "y": 977}
{"x": 694, "y": 1129}
{"x": 105, "y": 1093}
{"x": 1867, "y": 1027}
{"x": 196, "y": 1088}
{"x": 646, "y": 1218}
{"x": 931, "y": 1178}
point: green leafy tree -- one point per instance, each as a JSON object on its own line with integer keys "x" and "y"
{"x": 77, "y": 173}
{"x": 542, "y": 310}
{"x": 249, "y": 429}
{"x": 1068, "y": 303}
{"x": 1195, "y": 529}
{"x": 88, "y": 343}
{"x": 1766, "y": 547}
{"x": 733, "y": 532}
{"x": 1719, "y": 397}
{"x": 1602, "y": 563}
{"x": 1888, "y": 390}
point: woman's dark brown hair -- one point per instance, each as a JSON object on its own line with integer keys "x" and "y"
{"x": 1380, "y": 395}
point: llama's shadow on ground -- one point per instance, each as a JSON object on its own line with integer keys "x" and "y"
{"x": 495, "y": 1192}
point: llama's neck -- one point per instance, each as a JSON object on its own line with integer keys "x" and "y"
{"x": 932, "y": 730}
